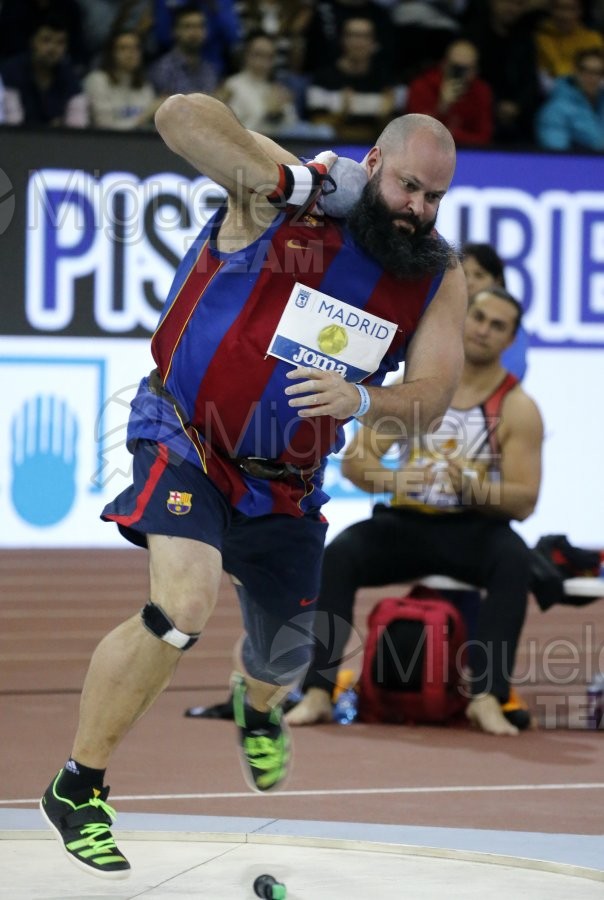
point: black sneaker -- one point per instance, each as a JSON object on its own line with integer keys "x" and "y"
{"x": 265, "y": 742}
{"x": 82, "y": 825}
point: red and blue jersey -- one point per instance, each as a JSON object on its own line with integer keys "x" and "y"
{"x": 211, "y": 346}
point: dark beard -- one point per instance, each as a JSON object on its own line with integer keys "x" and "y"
{"x": 403, "y": 254}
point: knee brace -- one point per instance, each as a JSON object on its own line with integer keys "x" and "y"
{"x": 161, "y": 625}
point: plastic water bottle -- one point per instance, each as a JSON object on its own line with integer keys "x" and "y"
{"x": 346, "y": 707}
{"x": 595, "y": 701}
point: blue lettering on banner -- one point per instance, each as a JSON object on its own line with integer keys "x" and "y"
{"x": 552, "y": 242}
{"x": 124, "y": 233}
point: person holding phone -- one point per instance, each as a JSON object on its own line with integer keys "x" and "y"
{"x": 453, "y": 93}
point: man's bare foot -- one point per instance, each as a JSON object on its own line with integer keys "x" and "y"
{"x": 314, "y": 707}
{"x": 484, "y": 711}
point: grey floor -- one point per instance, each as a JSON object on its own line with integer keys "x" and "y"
{"x": 206, "y": 856}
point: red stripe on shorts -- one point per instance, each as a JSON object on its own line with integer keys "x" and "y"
{"x": 155, "y": 473}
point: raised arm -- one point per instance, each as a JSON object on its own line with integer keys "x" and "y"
{"x": 205, "y": 132}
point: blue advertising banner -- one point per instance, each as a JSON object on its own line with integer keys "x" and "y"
{"x": 91, "y": 228}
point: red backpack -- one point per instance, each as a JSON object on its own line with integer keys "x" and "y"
{"x": 414, "y": 658}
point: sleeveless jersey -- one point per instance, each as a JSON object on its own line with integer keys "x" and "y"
{"x": 466, "y": 436}
{"x": 211, "y": 346}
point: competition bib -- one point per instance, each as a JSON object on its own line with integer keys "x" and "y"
{"x": 318, "y": 330}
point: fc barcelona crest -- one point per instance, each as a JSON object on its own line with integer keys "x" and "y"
{"x": 179, "y": 503}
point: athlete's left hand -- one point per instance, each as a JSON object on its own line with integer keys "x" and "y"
{"x": 326, "y": 394}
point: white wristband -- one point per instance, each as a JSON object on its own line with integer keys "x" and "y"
{"x": 303, "y": 187}
{"x": 365, "y": 401}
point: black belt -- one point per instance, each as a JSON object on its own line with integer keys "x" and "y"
{"x": 256, "y": 466}
{"x": 269, "y": 469}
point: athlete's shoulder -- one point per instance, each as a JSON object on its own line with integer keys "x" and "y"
{"x": 519, "y": 407}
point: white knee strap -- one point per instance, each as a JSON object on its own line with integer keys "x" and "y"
{"x": 161, "y": 625}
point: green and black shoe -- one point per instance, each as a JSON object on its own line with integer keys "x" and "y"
{"x": 82, "y": 825}
{"x": 265, "y": 742}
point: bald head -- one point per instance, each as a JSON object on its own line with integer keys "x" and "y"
{"x": 401, "y": 130}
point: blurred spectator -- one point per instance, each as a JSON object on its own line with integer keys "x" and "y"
{"x": 41, "y": 84}
{"x": 284, "y": 20}
{"x": 355, "y": 94}
{"x": 325, "y": 29}
{"x": 101, "y": 18}
{"x": 504, "y": 35}
{"x": 423, "y": 29}
{"x": 19, "y": 19}
{"x": 119, "y": 95}
{"x": 259, "y": 102}
{"x": 573, "y": 116}
{"x": 560, "y": 37}
{"x": 224, "y": 32}
{"x": 453, "y": 94}
{"x": 182, "y": 70}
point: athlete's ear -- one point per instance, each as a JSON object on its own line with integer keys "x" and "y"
{"x": 373, "y": 161}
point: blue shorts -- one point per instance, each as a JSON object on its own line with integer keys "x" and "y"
{"x": 275, "y": 558}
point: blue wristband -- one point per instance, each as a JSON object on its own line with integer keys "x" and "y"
{"x": 365, "y": 401}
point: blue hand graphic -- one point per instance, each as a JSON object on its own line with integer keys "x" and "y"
{"x": 44, "y": 436}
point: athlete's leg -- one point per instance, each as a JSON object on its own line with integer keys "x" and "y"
{"x": 131, "y": 665}
{"x": 275, "y": 561}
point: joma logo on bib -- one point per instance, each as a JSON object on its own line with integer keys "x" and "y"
{"x": 322, "y": 332}
{"x": 306, "y": 357}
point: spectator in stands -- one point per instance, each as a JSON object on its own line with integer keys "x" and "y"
{"x": 20, "y": 19}
{"x": 286, "y": 21}
{"x": 119, "y": 95}
{"x": 183, "y": 70}
{"x": 261, "y": 100}
{"x": 224, "y": 32}
{"x": 42, "y": 85}
{"x": 504, "y": 35}
{"x": 483, "y": 267}
{"x": 453, "y": 93}
{"x": 101, "y": 18}
{"x": 453, "y": 497}
{"x": 560, "y": 37}
{"x": 572, "y": 118}
{"x": 355, "y": 94}
{"x": 326, "y": 26}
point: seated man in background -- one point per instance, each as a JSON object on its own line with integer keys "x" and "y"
{"x": 453, "y": 497}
